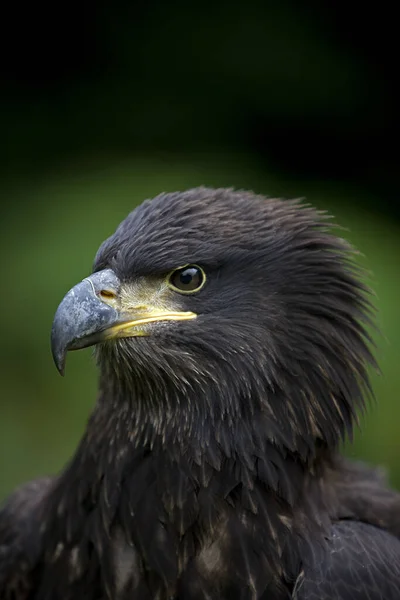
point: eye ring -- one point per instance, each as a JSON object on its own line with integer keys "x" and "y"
{"x": 188, "y": 279}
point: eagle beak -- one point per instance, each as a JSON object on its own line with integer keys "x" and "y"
{"x": 91, "y": 313}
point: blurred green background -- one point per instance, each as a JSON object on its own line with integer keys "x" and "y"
{"x": 114, "y": 105}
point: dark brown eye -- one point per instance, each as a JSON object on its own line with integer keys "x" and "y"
{"x": 187, "y": 280}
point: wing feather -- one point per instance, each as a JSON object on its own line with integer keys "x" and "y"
{"x": 20, "y": 539}
{"x": 360, "y": 562}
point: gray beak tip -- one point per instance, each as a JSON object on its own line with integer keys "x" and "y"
{"x": 60, "y": 367}
{"x": 58, "y": 353}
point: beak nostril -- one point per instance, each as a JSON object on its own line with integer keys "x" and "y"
{"x": 107, "y": 295}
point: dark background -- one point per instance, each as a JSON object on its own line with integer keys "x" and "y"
{"x": 104, "y": 105}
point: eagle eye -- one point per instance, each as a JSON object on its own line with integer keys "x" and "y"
{"x": 187, "y": 280}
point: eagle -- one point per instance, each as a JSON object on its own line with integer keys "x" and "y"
{"x": 232, "y": 334}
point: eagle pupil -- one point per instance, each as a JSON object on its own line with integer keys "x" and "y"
{"x": 190, "y": 278}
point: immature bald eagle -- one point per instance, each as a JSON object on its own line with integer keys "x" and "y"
{"x": 231, "y": 342}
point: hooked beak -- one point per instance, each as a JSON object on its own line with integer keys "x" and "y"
{"x": 91, "y": 312}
